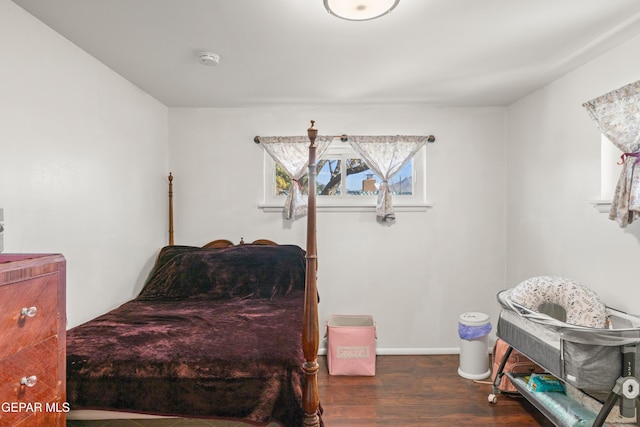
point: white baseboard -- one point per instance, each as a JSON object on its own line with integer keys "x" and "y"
{"x": 406, "y": 351}
{"x": 416, "y": 351}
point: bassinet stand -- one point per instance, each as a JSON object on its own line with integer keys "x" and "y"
{"x": 626, "y": 389}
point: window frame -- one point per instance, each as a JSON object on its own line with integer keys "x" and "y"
{"x": 609, "y": 174}
{"x": 345, "y": 201}
{"x": 609, "y": 167}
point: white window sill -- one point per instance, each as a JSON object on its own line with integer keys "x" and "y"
{"x": 415, "y": 207}
{"x": 603, "y": 206}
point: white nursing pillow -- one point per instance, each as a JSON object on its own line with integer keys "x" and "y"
{"x": 582, "y": 305}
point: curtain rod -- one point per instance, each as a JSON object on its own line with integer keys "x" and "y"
{"x": 345, "y": 138}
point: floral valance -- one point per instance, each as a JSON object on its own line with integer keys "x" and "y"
{"x": 291, "y": 153}
{"x": 617, "y": 115}
{"x": 386, "y": 155}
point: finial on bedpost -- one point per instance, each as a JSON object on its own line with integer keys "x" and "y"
{"x": 312, "y": 132}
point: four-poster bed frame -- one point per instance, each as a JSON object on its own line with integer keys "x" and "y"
{"x": 131, "y": 360}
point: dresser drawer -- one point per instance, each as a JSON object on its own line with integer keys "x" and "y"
{"x": 20, "y": 328}
{"x": 38, "y": 363}
{"x": 43, "y": 419}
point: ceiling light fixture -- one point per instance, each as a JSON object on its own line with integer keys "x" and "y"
{"x": 209, "y": 58}
{"x": 359, "y": 10}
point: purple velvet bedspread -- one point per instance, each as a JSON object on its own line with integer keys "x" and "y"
{"x": 213, "y": 333}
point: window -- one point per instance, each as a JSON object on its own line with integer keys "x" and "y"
{"x": 344, "y": 181}
{"x": 609, "y": 174}
{"x": 609, "y": 168}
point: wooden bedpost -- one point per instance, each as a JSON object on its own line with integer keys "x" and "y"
{"x": 170, "y": 209}
{"x": 310, "y": 330}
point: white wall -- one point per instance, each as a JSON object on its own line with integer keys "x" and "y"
{"x": 415, "y": 277}
{"x": 83, "y": 164}
{"x": 553, "y": 170}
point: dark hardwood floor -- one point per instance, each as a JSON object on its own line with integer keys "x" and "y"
{"x": 423, "y": 391}
{"x": 407, "y": 391}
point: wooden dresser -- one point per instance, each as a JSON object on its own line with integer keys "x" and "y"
{"x": 32, "y": 340}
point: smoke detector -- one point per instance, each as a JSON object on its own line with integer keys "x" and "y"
{"x": 209, "y": 58}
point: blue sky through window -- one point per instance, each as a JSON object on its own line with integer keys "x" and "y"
{"x": 400, "y": 183}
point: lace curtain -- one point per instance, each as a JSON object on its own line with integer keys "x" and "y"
{"x": 386, "y": 155}
{"x": 291, "y": 153}
{"x": 617, "y": 114}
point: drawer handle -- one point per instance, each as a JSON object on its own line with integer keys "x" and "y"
{"x": 29, "y": 312}
{"x": 29, "y": 381}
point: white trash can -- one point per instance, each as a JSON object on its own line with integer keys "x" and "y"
{"x": 474, "y": 329}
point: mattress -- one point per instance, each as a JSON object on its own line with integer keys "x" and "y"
{"x": 586, "y": 358}
{"x": 215, "y": 333}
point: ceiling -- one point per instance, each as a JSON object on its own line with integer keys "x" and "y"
{"x": 277, "y": 52}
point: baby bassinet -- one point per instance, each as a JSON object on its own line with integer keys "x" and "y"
{"x": 600, "y": 362}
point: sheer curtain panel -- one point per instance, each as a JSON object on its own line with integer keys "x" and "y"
{"x": 386, "y": 155}
{"x": 617, "y": 115}
{"x": 291, "y": 153}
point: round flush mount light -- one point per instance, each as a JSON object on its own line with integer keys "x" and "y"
{"x": 360, "y": 10}
{"x": 209, "y": 58}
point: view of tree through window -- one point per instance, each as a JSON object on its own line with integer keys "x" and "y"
{"x": 359, "y": 180}
{"x": 329, "y": 179}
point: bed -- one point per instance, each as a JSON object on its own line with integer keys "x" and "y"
{"x": 221, "y": 331}
{"x": 598, "y": 362}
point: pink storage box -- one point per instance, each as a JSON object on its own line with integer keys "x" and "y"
{"x": 351, "y": 342}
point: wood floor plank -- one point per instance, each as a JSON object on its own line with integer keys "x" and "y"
{"x": 423, "y": 391}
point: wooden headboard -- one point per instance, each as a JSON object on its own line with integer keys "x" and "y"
{"x": 224, "y": 243}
